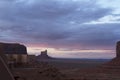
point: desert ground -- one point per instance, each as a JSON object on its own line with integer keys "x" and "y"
{"x": 77, "y": 69}
{"x": 66, "y": 69}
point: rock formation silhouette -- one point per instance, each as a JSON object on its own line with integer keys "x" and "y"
{"x": 118, "y": 50}
{"x": 14, "y": 53}
{"x": 115, "y": 62}
{"x": 44, "y": 55}
{"x": 12, "y": 48}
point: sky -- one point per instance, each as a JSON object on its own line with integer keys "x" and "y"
{"x": 66, "y": 28}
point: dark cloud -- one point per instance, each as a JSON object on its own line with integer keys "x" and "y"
{"x": 57, "y": 23}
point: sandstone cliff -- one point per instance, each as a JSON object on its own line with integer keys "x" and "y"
{"x": 12, "y": 48}
{"x": 115, "y": 62}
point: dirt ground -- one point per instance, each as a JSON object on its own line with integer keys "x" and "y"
{"x": 66, "y": 69}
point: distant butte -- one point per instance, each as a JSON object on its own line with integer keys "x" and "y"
{"x": 115, "y": 62}
{"x": 44, "y": 55}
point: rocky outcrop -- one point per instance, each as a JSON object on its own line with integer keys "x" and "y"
{"x": 43, "y": 55}
{"x": 114, "y": 64}
{"x": 118, "y": 50}
{"x": 12, "y": 48}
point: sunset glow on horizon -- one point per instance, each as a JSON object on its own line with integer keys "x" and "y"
{"x": 60, "y": 53}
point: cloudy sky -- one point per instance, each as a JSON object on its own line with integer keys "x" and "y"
{"x": 67, "y": 28}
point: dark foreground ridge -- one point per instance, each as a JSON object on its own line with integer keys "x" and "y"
{"x": 5, "y": 73}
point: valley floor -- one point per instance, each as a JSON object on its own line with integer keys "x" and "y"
{"x": 67, "y": 69}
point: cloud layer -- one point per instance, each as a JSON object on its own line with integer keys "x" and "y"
{"x": 72, "y": 24}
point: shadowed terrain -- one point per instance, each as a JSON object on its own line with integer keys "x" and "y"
{"x": 44, "y": 67}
